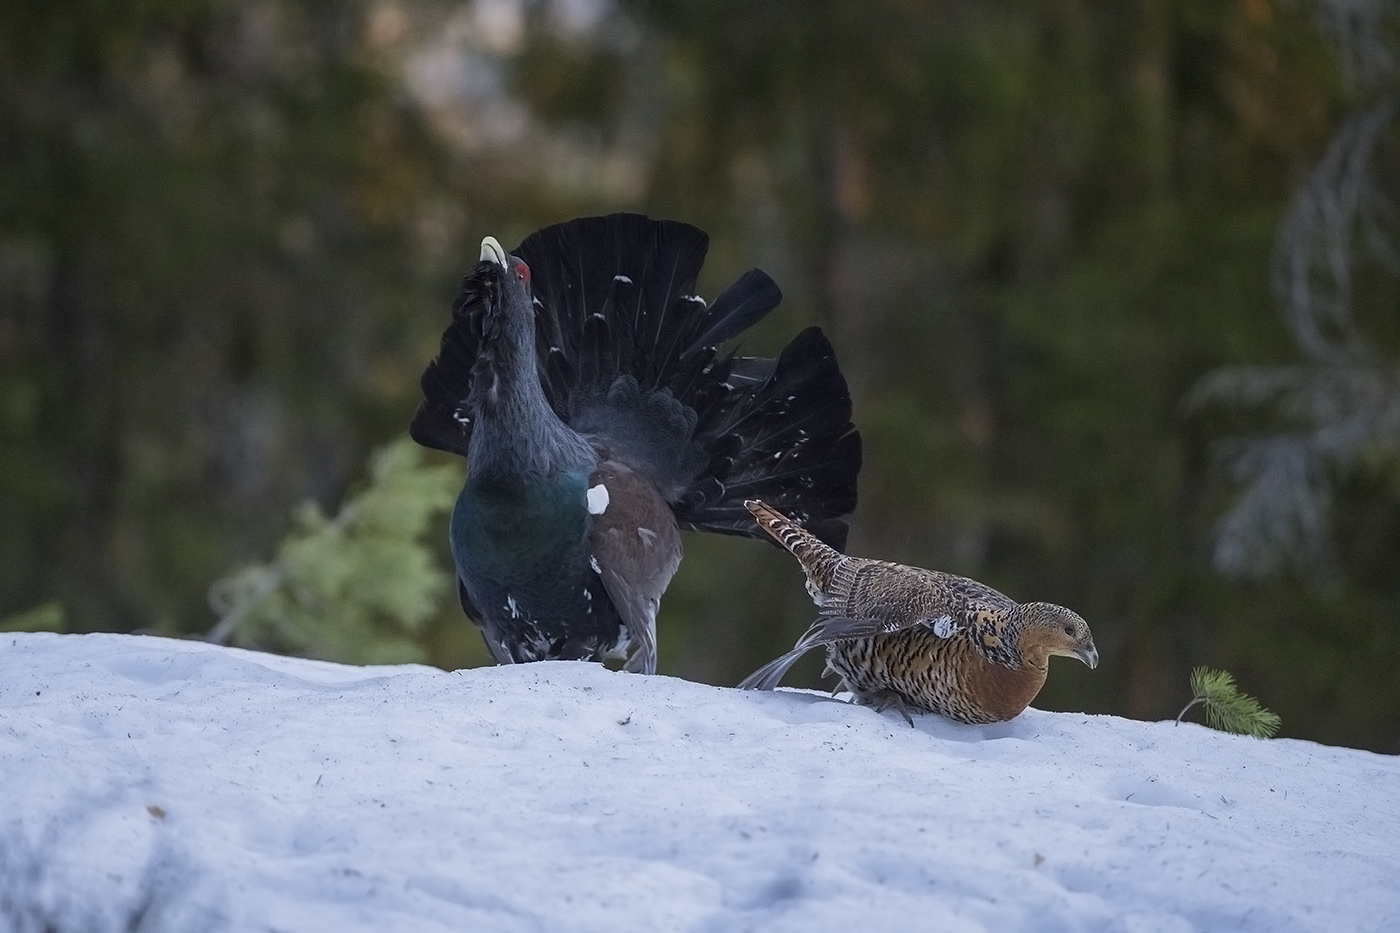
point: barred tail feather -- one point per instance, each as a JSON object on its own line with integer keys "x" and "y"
{"x": 819, "y": 561}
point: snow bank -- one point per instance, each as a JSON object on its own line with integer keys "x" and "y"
{"x": 163, "y": 785}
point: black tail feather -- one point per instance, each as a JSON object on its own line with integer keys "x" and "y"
{"x": 743, "y": 304}
{"x": 637, "y": 273}
{"x": 788, "y": 441}
{"x": 443, "y": 421}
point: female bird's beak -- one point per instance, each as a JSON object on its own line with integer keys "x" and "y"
{"x": 1089, "y": 656}
{"x": 491, "y": 252}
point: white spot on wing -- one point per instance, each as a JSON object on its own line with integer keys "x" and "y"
{"x": 593, "y": 562}
{"x": 598, "y": 500}
{"x": 512, "y": 607}
{"x": 623, "y": 279}
{"x": 943, "y": 626}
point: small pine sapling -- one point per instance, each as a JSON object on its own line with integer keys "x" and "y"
{"x": 1226, "y": 708}
{"x": 358, "y": 587}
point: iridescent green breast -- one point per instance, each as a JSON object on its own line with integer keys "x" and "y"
{"x": 510, "y": 531}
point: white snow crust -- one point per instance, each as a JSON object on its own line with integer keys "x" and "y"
{"x": 151, "y": 784}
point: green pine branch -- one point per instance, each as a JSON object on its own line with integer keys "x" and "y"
{"x": 1226, "y": 708}
{"x": 358, "y": 587}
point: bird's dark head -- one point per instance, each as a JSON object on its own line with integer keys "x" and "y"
{"x": 506, "y": 306}
{"x": 1057, "y": 630}
{"x": 502, "y": 313}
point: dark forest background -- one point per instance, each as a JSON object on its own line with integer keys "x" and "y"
{"x": 1116, "y": 286}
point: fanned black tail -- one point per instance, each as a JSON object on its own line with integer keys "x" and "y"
{"x": 628, "y": 357}
{"x": 787, "y": 440}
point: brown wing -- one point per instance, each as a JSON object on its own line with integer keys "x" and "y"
{"x": 900, "y": 597}
{"x": 636, "y": 547}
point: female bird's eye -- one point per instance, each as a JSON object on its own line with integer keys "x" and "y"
{"x": 1069, "y": 630}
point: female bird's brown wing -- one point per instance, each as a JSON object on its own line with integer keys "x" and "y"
{"x": 900, "y": 597}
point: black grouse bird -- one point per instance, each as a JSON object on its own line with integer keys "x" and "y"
{"x": 581, "y": 379}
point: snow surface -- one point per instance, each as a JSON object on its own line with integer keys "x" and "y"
{"x": 154, "y": 785}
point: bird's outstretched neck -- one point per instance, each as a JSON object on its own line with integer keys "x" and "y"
{"x": 516, "y": 431}
{"x": 518, "y": 434}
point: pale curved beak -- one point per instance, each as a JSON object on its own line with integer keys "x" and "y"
{"x": 1089, "y": 656}
{"x": 491, "y": 252}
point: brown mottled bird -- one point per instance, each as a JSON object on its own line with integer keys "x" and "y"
{"x": 910, "y": 638}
